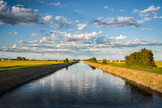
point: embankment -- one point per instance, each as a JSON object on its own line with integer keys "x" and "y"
{"x": 13, "y": 78}
{"x": 149, "y": 80}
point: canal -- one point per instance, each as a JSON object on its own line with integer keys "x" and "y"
{"x": 79, "y": 86}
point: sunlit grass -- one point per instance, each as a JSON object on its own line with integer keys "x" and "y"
{"x": 158, "y": 63}
{"x": 9, "y": 65}
{"x": 157, "y": 69}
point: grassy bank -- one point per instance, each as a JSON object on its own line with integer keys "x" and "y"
{"x": 147, "y": 79}
{"x": 10, "y": 79}
{"x": 157, "y": 69}
{"x": 13, "y": 64}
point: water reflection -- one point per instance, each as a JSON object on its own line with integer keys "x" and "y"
{"x": 79, "y": 86}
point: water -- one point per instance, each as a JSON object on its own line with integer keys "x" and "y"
{"x": 79, "y": 86}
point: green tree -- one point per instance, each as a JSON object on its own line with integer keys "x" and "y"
{"x": 18, "y": 58}
{"x": 93, "y": 59}
{"x": 142, "y": 58}
{"x": 23, "y": 58}
{"x": 104, "y": 61}
{"x": 66, "y": 60}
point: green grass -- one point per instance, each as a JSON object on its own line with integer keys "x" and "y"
{"x": 157, "y": 69}
{"x": 10, "y": 65}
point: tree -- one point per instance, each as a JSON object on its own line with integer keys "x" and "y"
{"x": 142, "y": 58}
{"x": 93, "y": 59}
{"x": 104, "y": 61}
{"x": 66, "y": 60}
{"x": 18, "y": 58}
{"x": 23, "y": 58}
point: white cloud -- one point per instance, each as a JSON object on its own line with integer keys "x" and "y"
{"x": 150, "y": 9}
{"x": 58, "y": 4}
{"x": 121, "y": 37}
{"x": 60, "y": 22}
{"x": 14, "y": 46}
{"x": 33, "y": 34}
{"x": 119, "y": 22}
{"x": 13, "y": 33}
{"x": 105, "y": 7}
{"x": 47, "y": 18}
{"x": 121, "y": 10}
{"x": 58, "y": 17}
{"x": 55, "y": 4}
{"x": 146, "y": 29}
{"x": 148, "y": 13}
{"x": 81, "y": 26}
{"x": 77, "y": 21}
{"x": 19, "y": 15}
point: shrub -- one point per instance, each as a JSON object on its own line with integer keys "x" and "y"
{"x": 23, "y": 58}
{"x": 18, "y": 58}
{"x": 142, "y": 58}
{"x": 104, "y": 61}
{"x": 66, "y": 60}
{"x": 93, "y": 59}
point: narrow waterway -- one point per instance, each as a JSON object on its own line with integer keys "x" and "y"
{"x": 79, "y": 86}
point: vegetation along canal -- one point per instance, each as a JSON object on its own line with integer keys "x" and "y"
{"x": 80, "y": 86}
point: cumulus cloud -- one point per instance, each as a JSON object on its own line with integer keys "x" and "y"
{"x": 60, "y": 22}
{"x": 150, "y": 9}
{"x": 81, "y": 26}
{"x": 106, "y": 39}
{"x": 33, "y": 34}
{"x": 79, "y": 38}
{"x": 18, "y": 15}
{"x": 119, "y": 22}
{"x": 13, "y": 33}
{"x": 47, "y": 18}
{"x": 148, "y": 13}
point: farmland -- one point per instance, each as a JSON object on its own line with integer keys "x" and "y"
{"x": 14, "y": 64}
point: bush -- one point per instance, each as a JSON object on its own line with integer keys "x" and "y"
{"x": 93, "y": 59}
{"x": 23, "y": 58}
{"x": 142, "y": 58}
{"x": 66, "y": 60}
{"x": 104, "y": 61}
{"x": 18, "y": 58}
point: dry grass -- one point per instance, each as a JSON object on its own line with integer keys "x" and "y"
{"x": 148, "y": 79}
{"x": 157, "y": 69}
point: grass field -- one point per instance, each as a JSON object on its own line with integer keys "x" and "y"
{"x": 157, "y": 69}
{"x": 9, "y": 65}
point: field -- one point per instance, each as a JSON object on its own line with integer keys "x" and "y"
{"x": 9, "y": 65}
{"x": 157, "y": 69}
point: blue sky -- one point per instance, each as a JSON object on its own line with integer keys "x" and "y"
{"x": 57, "y": 29}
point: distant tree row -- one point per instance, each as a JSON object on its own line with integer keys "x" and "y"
{"x": 21, "y": 58}
{"x": 142, "y": 58}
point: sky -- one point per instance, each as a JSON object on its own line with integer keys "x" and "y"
{"x": 79, "y": 29}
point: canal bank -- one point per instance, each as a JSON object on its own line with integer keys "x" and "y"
{"x": 148, "y": 80}
{"x": 13, "y": 78}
